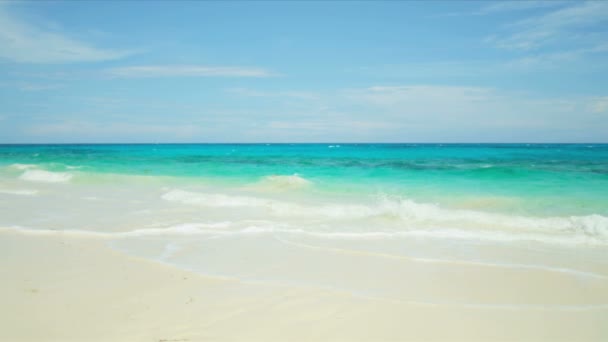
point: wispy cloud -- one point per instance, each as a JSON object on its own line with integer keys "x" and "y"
{"x": 456, "y": 113}
{"x": 568, "y": 25}
{"x": 24, "y": 42}
{"x": 101, "y": 129}
{"x": 306, "y": 95}
{"x": 508, "y": 6}
{"x": 38, "y": 87}
{"x": 467, "y": 70}
{"x": 27, "y": 86}
{"x": 512, "y": 6}
{"x": 600, "y": 105}
{"x": 601, "y": 47}
{"x": 417, "y": 94}
{"x": 545, "y": 61}
{"x": 380, "y": 112}
{"x": 149, "y": 71}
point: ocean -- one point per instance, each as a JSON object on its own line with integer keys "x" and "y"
{"x": 328, "y": 215}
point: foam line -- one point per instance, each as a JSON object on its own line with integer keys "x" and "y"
{"x": 545, "y": 268}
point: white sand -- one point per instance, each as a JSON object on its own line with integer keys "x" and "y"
{"x": 57, "y": 288}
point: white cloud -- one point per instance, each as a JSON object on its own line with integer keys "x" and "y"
{"x": 396, "y": 95}
{"x": 287, "y": 93}
{"x": 563, "y": 25}
{"x": 122, "y": 131}
{"x": 144, "y": 71}
{"x": 510, "y": 6}
{"x": 37, "y": 87}
{"x": 439, "y": 110}
{"x": 601, "y": 47}
{"x": 23, "y": 42}
{"x": 545, "y": 61}
{"x": 383, "y": 113}
{"x": 600, "y": 105}
{"x": 28, "y": 86}
{"x": 439, "y": 71}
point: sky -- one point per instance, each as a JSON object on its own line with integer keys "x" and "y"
{"x": 397, "y": 71}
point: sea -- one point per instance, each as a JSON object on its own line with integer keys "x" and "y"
{"x": 331, "y": 215}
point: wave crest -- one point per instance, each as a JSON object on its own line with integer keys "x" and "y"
{"x": 404, "y": 215}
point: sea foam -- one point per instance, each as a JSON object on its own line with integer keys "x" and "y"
{"x": 425, "y": 219}
{"x": 280, "y": 182}
{"x": 213, "y": 200}
{"x": 19, "y": 192}
{"x": 276, "y": 228}
{"x": 22, "y": 166}
{"x": 219, "y": 229}
{"x": 45, "y": 176}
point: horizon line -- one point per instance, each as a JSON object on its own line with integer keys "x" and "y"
{"x": 306, "y": 143}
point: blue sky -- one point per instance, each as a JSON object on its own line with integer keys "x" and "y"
{"x": 523, "y": 71}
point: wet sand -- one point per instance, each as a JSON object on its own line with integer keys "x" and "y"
{"x": 58, "y": 288}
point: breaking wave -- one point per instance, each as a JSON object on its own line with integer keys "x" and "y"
{"x": 424, "y": 218}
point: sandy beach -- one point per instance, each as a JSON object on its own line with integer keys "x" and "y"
{"x": 75, "y": 289}
{"x": 323, "y": 171}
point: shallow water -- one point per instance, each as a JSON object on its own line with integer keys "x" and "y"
{"x": 362, "y": 218}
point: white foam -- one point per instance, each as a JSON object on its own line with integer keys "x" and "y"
{"x": 424, "y": 218}
{"x": 450, "y": 235}
{"x": 593, "y": 226}
{"x": 23, "y": 166}
{"x": 249, "y": 228}
{"x": 213, "y": 200}
{"x": 278, "y": 208}
{"x": 55, "y": 232}
{"x": 282, "y": 182}
{"x": 217, "y": 230}
{"x": 45, "y": 176}
{"x": 20, "y": 192}
{"x": 170, "y": 250}
{"x": 181, "y": 229}
{"x": 538, "y": 267}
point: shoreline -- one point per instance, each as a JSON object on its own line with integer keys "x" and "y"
{"x": 70, "y": 288}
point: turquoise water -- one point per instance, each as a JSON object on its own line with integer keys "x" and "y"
{"x": 531, "y": 179}
{"x": 337, "y": 216}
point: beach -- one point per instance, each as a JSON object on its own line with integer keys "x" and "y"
{"x": 303, "y": 242}
{"x": 75, "y": 289}
{"x": 319, "y": 171}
